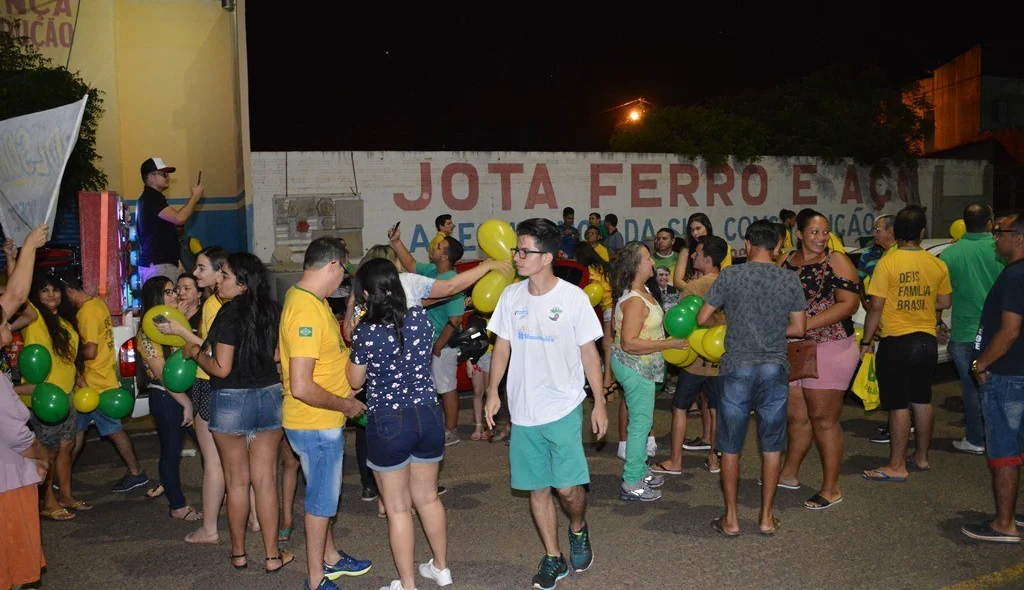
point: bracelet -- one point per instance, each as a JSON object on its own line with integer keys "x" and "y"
{"x": 865, "y": 342}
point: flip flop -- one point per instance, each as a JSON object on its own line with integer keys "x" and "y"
{"x": 191, "y": 515}
{"x": 79, "y": 505}
{"x": 785, "y": 486}
{"x": 771, "y": 532}
{"x": 60, "y": 514}
{"x": 913, "y": 467}
{"x": 660, "y": 468}
{"x": 819, "y": 502}
{"x": 195, "y": 540}
{"x": 155, "y": 492}
{"x": 707, "y": 465}
{"x": 717, "y": 525}
{"x": 284, "y": 534}
{"x": 876, "y": 475}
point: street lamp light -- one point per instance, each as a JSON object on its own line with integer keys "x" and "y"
{"x": 634, "y": 115}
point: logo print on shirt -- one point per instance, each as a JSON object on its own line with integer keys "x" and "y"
{"x": 519, "y": 313}
{"x": 306, "y": 332}
{"x": 556, "y": 312}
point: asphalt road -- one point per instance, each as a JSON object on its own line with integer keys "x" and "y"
{"x": 882, "y": 536}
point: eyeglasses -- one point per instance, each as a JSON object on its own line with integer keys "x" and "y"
{"x": 522, "y": 253}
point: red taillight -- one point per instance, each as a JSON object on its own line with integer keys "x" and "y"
{"x": 126, "y": 358}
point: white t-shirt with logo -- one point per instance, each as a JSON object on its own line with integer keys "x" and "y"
{"x": 545, "y": 376}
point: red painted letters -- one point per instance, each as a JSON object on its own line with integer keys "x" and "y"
{"x": 425, "y": 192}
{"x": 596, "y": 189}
{"x": 473, "y": 180}
{"x": 801, "y": 184}
{"x": 851, "y": 186}
{"x": 676, "y": 188}
{"x": 762, "y": 175}
{"x": 505, "y": 172}
{"x": 541, "y": 190}
{"x": 638, "y": 184}
{"x": 720, "y": 188}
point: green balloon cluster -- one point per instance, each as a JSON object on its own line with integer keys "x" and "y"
{"x": 50, "y": 403}
{"x": 179, "y": 373}
{"x": 116, "y": 403}
{"x": 680, "y": 321}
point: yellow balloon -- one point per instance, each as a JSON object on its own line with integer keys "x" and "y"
{"x": 696, "y": 341}
{"x": 595, "y": 292}
{"x": 858, "y": 333}
{"x": 195, "y": 246}
{"x": 835, "y": 244}
{"x": 867, "y": 283}
{"x": 27, "y": 400}
{"x": 86, "y": 400}
{"x": 958, "y": 229}
{"x": 679, "y": 358}
{"x": 173, "y": 315}
{"x": 488, "y": 289}
{"x": 714, "y": 343}
{"x": 496, "y": 239}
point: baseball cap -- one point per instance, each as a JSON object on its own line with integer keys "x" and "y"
{"x": 155, "y": 165}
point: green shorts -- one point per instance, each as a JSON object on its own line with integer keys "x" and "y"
{"x": 550, "y": 455}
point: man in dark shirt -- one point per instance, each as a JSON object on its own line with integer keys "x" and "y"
{"x": 158, "y": 222}
{"x": 999, "y": 370}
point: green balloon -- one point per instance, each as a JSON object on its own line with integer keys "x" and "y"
{"x": 179, "y": 373}
{"x": 116, "y": 403}
{"x": 35, "y": 362}
{"x": 680, "y": 321}
{"x": 693, "y": 303}
{"x": 50, "y": 403}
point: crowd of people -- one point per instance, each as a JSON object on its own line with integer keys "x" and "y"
{"x": 279, "y": 381}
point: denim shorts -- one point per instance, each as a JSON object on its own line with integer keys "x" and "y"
{"x": 246, "y": 411}
{"x": 394, "y": 438}
{"x": 321, "y": 453}
{"x": 104, "y": 424}
{"x": 688, "y": 388}
{"x": 763, "y": 388}
{"x": 1002, "y": 404}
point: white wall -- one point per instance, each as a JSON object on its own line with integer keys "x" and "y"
{"x": 646, "y": 191}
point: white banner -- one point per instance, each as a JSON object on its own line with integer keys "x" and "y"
{"x": 34, "y": 150}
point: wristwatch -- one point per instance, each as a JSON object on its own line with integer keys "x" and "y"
{"x": 974, "y": 367}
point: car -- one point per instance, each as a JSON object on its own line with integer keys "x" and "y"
{"x": 127, "y": 367}
{"x": 935, "y": 246}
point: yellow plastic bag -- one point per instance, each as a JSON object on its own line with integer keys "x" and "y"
{"x": 865, "y": 384}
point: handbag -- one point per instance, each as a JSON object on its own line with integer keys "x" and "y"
{"x": 803, "y": 359}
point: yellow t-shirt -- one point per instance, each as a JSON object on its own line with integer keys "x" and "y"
{"x": 596, "y": 276}
{"x": 835, "y": 244}
{"x": 96, "y": 327}
{"x": 602, "y": 252}
{"x": 210, "y": 308}
{"x": 728, "y": 258}
{"x": 63, "y": 372}
{"x": 309, "y": 330}
{"x": 910, "y": 280}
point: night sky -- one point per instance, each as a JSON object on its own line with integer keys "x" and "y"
{"x": 524, "y": 76}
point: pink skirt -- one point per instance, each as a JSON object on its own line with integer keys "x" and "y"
{"x": 837, "y": 362}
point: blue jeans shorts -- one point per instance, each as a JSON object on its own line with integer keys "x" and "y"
{"x": 763, "y": 388}
{"x": 321, "y": 453}
{"x": 1002, "y": 403}
{"x": 104, "y": 424}
{"x": 246, "y": 411}
{"x": 394, "y": 438}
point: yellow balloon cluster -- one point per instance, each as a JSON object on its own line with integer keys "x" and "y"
{"x": 680, "y": 358}
{"x": 487, "y": 290}
{"x": 496, "y": 239}
{"x": 595, "y": 292}
{"x": 958, "y": 229}
{"x": 704, "y": 342}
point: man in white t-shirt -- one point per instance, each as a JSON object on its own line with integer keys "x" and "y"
{"x": 545, "y": 329}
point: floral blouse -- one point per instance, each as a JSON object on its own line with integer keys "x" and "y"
{"x": 820, "y": 282}
{"x": 650, "y": 366}
{"x": 398, "y": 370}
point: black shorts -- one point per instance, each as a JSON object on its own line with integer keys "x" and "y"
{"x": 905, "y": 367}
{"x": 689, "y": 386}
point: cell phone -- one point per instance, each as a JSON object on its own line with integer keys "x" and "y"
{"x": 160, "y": 319}
{"x": 394, "y": 228}
{"x": 200, "y": 181}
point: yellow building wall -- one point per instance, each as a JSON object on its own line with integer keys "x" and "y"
{"x": 168, "y": 71}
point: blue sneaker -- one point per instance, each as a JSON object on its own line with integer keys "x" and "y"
{"x": 580, "y": 553}
{"x": 324, "y": 584}
{"x": 552, "y": 569}
{"x": 347, "y": 566}
{"x": 129, "y": 482}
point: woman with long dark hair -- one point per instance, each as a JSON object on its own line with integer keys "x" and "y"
{"x": 240, "y": 355}
{"x": 391, "y": 356}
{"x": 638, "y": 363}
{"x": 697, "y": 226}
{"x": 55, "y": 328}
{"x": 171, "y": 411}
{"x": 208, "y": 264}
{"x": 830, "y": 283}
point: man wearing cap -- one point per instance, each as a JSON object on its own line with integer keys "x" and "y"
{"x": 158, "y": 222}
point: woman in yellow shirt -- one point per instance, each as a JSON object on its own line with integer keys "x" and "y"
{"x": 54, "y": 327}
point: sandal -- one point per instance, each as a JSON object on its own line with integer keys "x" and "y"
{"x": 155, "y": 492}
{"x": 79, "y": 505}
{"x": 500, "y": 435}
{"x": 284, "y": 534}
{"x": 717, "y": 525}
{"x": 284, "y": 561}
{"x": 195, "y": 539}
{"x": 239, "y": 567}
{"x": 771, "y": 532}
{"x": 191, "y": 515}
{"x": 60, "y": 514}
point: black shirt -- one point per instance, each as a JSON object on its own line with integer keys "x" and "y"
{"x": 1007, "y": 294}
{"x": 158, "y": 238}
{"x": 244, "y": 372}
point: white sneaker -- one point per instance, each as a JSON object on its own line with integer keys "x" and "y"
{"x": 622, "y": 450}
{"x": 652, "y": 446}
{"x": 396, "y": 585}
{"x": 442, "y": 577}
{"x": 964, "y": 446}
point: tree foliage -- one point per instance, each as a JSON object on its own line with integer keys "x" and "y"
{"x": 30, "y": 83}
{"x": 832, "y": 114}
